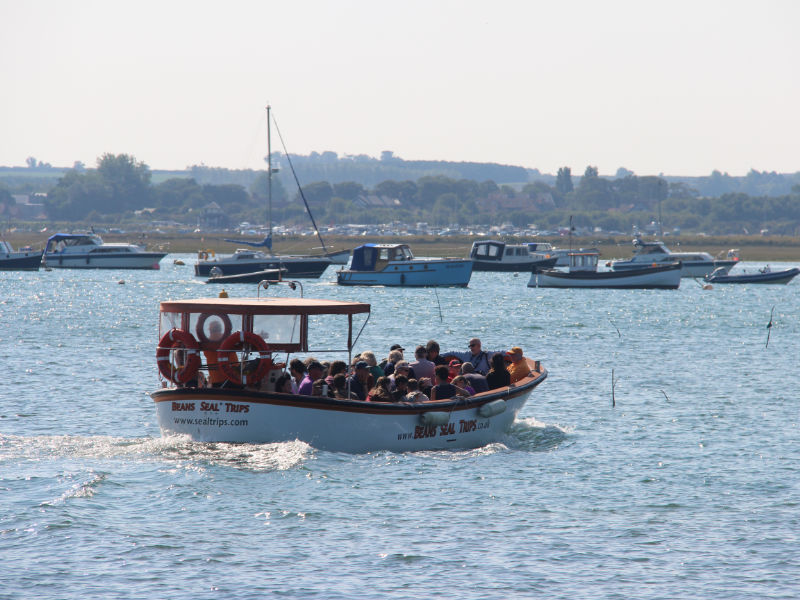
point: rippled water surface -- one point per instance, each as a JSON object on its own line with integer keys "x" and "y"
{"x": 687, "y": 488}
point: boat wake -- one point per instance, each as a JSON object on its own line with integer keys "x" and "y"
{"x": 179, "y": 451}
{"x": 534, "y": 436}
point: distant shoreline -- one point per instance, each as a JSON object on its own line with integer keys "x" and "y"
{"x": 751, "y": 248}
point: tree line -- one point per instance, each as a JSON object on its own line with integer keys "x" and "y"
{"x": 121, "y": 187}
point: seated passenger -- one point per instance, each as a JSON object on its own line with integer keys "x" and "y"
{"x": 464, "y": 389}
{"x": 306, "y": 386}
{"x": 499, "y": 376}
{"x": 475, "y": 380}
{"x": 283, "y": 383}
{"x": 443, "y": 388}
{"x": 414, "y": 395}
{"x": 320, "y": 388}
{"x": 433, "y": 353}
{"x": 519, "y": 368}
{"x": 336, "y": 367}
{"x": 340, "y": 388}
{"x": 395, "y": 356}
{"x": 380, "y": 393}
{"x": 478, "y": 357}
{"x": 423, "y": 368}
{"x": 297, "y": 368}
{"x": 359, "y": 380}
{"x": 400, "y": 389}
{"x": 374, "y": 369}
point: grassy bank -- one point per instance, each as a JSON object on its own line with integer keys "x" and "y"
{"x": 756, "y": 248}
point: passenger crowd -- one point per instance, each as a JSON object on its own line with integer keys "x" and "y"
{"x": 432, "y": 375}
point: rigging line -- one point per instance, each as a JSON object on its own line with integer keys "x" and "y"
{"x": 439, "y": 304}
{"x": 297, "y": 181}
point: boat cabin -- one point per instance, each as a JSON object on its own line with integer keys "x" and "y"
{"x": 242, "y": 327}
{"x": 498, "y": 251}
{"x": 375, "y": 257}
{"x": 583, "y": 261}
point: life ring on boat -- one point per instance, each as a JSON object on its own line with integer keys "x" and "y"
{"x": 228, "y": 361}
{"x": 200, "y": 328}
{"x": 171, "y": 341}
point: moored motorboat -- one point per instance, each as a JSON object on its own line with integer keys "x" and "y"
{"x": 583, "y": 273}
{"x": 490, "y": 255}
{"x": 765, "y": 275}
{"x": 88, "y": 251}
{"x": 395, "y": 265}
{"x": 246, "y": 408}
{"x": 23, "y": 259}
{"x": 693, "y": 264}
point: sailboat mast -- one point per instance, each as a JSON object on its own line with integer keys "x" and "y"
{"x": 269, "y": 174}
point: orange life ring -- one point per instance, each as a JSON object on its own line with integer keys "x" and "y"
{"x": 178, "y": 339}
{"x": 226, "y": 354}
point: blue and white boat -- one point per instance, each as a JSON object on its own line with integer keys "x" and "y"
{"x": 395, "y": 265}
{"x": 88, "y": 251}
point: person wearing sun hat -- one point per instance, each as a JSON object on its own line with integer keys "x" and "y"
{"x": 519, "y": 368}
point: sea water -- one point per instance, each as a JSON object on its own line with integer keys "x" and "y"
{"x": 660, "y": 458}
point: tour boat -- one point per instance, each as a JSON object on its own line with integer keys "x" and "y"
{"x": 395, "y": 265}
{"x": 583, "y": 273}
{"x": 765, "y": 275}
{"x": 491, "y": 255}
{"x": 693, "y": 264}
{"x": 88, "y": 251}
{"x": 24, "y": 259}
{"x": 245, "y": 408}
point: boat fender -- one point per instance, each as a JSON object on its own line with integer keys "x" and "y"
{"x": 434, "y": 417}
{"x": 178, "y": 339}
{"x": 495, "y": 407}
{"x": 227, "y": 354}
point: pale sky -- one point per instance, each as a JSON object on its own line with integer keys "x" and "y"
{"x": 675, "y": 87}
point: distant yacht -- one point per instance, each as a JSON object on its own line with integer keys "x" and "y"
{"x": 693, "y": 264}
{"x": 88, "y": 251}
{"x": 24, "y": 259}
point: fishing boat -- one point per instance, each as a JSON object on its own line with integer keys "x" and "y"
{"x": 491, "y": 255}
{"x": 297, "y": 265}
{"x": 693, "y": 264}
{"x": 246, "y": 408}
{"x": 583, "y": 273}
{"x": 765, "y": 275}
{"x": 88, "y": 251}
{"x": 395, "y": 265}
{"x": 24, "y": 259}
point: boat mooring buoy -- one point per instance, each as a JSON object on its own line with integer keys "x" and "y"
{"x": 223, "y": 293}
{"x": 708, "y": 286}
{"x": 121, "y": 282}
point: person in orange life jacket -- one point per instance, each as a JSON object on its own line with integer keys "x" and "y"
{"x": 519, "y": 368}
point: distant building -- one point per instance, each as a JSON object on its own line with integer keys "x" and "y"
{"x": 26, "y": 207}
{"x": 373, "y": 201}
{"x": 213, "y": 217}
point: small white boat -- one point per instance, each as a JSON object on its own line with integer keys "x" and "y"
{"x": 88, "y": 251}
{"x": 24, "y": 259}
{"x": 245, "y": 408}
{"x": 583, "y": 273}
{"x": 395, "y": 265}
{"x": 655, "y": 253}
{"x": 764, "y": 275}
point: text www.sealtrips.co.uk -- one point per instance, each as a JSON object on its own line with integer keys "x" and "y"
{"x": 210, "y": 421}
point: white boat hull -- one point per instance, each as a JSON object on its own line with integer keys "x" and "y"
{"x": 414, "y": 273}
{"x": 240, "y": 416}
{"x": 665, "y": 277}
{"x": 106, "y": 260}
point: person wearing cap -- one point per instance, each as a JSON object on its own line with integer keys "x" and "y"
{"x": 479, "y": 358}
{"x": 315, "y": 370}
{"x": 519, "y": 368}
{"x": 422, "y": 367}
{"x": 395, "y": 356}
{"x": 402, "y": 368}
{"x": 358, "y": 382}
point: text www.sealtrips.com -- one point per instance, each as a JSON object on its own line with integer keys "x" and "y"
{"x": 210, "y": 421}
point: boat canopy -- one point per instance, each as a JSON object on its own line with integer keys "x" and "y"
{"x": 282, "y": 322}
{"x": 366, "y": 256}
{"x": 488, "y": 250}
{"x": 74, "y": 239}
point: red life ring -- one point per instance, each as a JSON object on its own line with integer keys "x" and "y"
{"x": 178, "y": 339}
{"x": 226, "y": 355}
{"x": 200, "y": 330}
